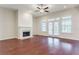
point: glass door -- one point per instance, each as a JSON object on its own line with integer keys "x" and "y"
{"x": 56, "y": 28}
{"x": 53, "y": 28}
{"x": 50, "y": 28}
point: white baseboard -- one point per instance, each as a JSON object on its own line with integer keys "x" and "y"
{"x": 8, "y": 37}
{"x": 70, "y": 38}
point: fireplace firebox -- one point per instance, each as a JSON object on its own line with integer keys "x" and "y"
{"x": 26, "y": 33}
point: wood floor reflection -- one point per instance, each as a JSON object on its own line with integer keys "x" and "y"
{"x": 39, "y": 45}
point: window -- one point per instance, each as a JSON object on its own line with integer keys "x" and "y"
{"x": 43, "y": 25}
{"x": 66, "y": 24}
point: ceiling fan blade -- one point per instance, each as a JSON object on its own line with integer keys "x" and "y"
{"x": 46, "y": 11}
{"x": 46, "y": 8}
{"x": 38, "y": 7}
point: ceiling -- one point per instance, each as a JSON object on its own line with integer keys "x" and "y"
{"x": 30, "y": 7}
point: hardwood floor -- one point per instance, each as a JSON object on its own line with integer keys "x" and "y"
{"x": 39, "y": 45}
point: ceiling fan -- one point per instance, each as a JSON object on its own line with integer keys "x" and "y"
{"x": 42, "y": 8}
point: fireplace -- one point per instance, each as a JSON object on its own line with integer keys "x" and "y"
{"x": 26, "y": 33}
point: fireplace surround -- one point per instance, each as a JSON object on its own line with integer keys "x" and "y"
{"x": 24, "y": 32}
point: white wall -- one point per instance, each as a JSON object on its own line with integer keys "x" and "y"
{"x": 75, "y": 23}
{"x": 7, "y": 24}
{"x": 35, "y": 26}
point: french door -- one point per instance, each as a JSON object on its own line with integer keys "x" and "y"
{"x": 53, "y": 28}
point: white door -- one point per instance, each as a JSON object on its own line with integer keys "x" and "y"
{"x": 56, "y": 28}
{"x": 50, "y": 28}
{"x": 53, "y": 28}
